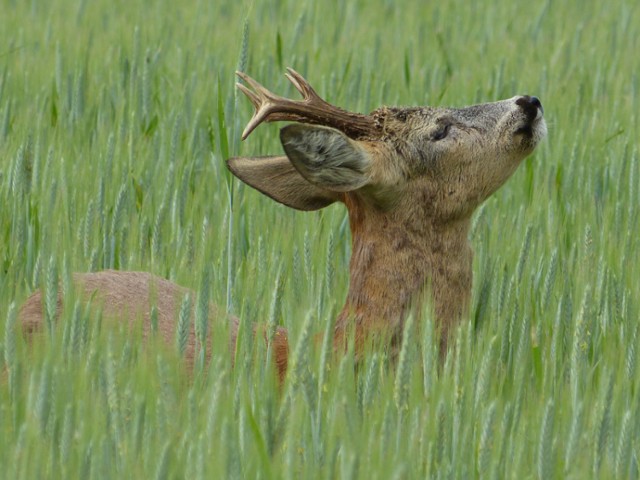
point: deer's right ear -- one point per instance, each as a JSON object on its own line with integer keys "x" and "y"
{"x": 279, "y": 180}
{"x": 326, "y": 157}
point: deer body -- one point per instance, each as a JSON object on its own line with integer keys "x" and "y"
{"x": 131, "y": 296}
{"x": 410, "y": 179}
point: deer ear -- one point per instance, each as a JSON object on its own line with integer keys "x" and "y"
{"x": 326, "y": 157}
{"x": 279, "y": 180}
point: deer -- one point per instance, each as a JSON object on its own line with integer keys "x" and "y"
{"x": 410, "y": 179}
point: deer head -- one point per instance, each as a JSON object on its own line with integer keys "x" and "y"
{"x": 410, "y": 178}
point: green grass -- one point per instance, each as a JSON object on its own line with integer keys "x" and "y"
{"x": 115, "y": 120}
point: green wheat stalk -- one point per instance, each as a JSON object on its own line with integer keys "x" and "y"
{"x": 184, "y": 323}
{"x": 43, "y": 400}
{"x": 66, "y": 435}
{"x": 370, "y": 383}
{"x": 113, "y": 392}
{"x": 485, "y": 444}
{"x": 486, "y": 365}
{"x": 51, "y": 295}
{"x": 401, "y": 385}
{"x": 549, "y": 280}
{"x": 524, "y": 253}
{"x": 624, "y": 446}
{"x": 162, "y": 470}
{"x": 545, "y": 445}
{"x": 428, "y": 355}
{"x": 602, "y": 434}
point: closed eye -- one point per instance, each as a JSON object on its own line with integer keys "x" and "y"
{"x": 441, "y": 133}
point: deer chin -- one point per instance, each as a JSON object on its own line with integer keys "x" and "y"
{"x": 539, "y": 130}
{"x": 531, "y": 132}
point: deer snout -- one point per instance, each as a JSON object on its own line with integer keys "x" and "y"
{"x": 531, "y": 106}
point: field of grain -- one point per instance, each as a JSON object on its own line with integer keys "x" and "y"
{"x": 115, "y": 121}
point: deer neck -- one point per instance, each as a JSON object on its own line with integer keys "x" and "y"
{"x": 396, "y": 264}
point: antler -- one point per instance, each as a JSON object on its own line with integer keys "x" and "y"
{"x": 311, "y": 109}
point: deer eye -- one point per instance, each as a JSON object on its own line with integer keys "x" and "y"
{"x": 441, "y": 133}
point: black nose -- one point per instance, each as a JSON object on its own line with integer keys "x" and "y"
{"x": 530, "y": 104}
{"x": 536, "y": 101}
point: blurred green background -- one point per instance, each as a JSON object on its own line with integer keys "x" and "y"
{"x": 115, "y": 121}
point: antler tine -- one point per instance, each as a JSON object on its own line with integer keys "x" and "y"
{"x": 260, "y": 111}
{"x": 301, "y": 85}
{"x": 262, "y": 99}
{"x": 252, "y": 83}
{"x": 253, "y": 98}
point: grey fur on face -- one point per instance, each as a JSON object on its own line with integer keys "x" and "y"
{"x": 461, "y": 153}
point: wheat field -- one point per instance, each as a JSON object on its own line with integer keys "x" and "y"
{"x": 115, "y": 121}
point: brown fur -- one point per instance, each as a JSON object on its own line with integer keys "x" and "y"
{"x": 131, "y": 296}
{"x": 410, "y": 179}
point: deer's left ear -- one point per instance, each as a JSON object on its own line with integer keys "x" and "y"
{"x": 326, "y": 157}
{"x": 278, "y": 179}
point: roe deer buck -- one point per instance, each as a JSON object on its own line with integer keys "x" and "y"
{"x": 410, "y": 179}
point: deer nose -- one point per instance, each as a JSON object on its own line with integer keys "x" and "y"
{"x": 530, "y": 105}
{"x": 536, "y": 101}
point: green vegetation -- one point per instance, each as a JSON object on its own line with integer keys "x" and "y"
{"x": 115, "y": 120}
